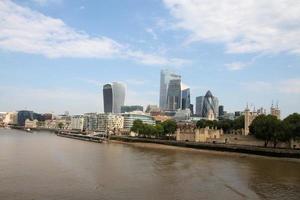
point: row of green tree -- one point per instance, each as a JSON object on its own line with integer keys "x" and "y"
{"x": 159, "y": 130}
{"x": 271, "y": 129}
{"x": 226, "y": 124}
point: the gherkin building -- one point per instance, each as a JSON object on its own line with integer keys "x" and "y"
{"x": 206, "y": 104}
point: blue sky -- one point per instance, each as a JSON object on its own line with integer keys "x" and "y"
{"x": 56, "y": 54}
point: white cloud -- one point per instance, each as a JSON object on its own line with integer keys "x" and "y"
{"x": 243, "y": 26}
{"x": 28, "y": 31}
{"x": 235, "y": 66}
{"x": 153, "y": 59}
{"x": 46, "y": 2}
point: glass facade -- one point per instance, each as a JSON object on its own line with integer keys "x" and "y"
{"x": 169, "y": 97}
{"x": 174, "y": 95}
{"x": 25, "y": 114}
{"x": 118, "y": 96}
{"x": 206, "y": 104}
{"x": 113, "y": 97}
{"x": 186, "y": 99}
{"x": 107, "y": 98}
{"x": 130, "y": 117}
{"x": 125, "y": 109}
{"x": 199, "y": 105}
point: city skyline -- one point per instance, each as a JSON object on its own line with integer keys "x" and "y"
{"x": 48, "y": 72}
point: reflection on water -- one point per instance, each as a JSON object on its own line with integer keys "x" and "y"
{"x": 44, "y": 166}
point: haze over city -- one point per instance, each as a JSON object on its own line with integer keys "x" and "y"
{"x": 57, "y": 54}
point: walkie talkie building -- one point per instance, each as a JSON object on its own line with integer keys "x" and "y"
{"x": 113, "y": 97}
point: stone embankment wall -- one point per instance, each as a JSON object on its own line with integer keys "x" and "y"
{"x": 274, "y": 152}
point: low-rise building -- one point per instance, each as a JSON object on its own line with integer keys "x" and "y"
{"x": 109, "y": 122}
{"x": 182, "y": 115}
{"x": 189, "y": 132}
{"x": 125, "y": 109}
{"x": 31, "y": 123}
{"x": 57, "y": 124}
{"x": 161, "y": 118}
{"x": 90, "y": 121}
{"x": 129, "y": 118}
{"x": 77, "y": 122}
{"x": 11, "y": 118}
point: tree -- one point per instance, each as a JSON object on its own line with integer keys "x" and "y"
{"x": 137, "y": 126}
{"x": 292, "y": 123}
{"x": 225, "y": 124}
{"x": 267, "y": 128}
{"x": 238, "y": 123}
{"x": 259, "y": 129}
{"x": 201, "y": 123}
{"x": 169, "y": 127}
{"x": 60, "y": 125}
{"x": 204, "y": 123}
{"x": 159, "y": 130}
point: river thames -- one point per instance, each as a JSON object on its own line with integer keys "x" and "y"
{"x": 42, "y": 165}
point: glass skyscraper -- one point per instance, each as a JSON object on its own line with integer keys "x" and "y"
{"x": 113, "y": 97}
{"x": 107, "y": 98}
{"x": 186, "y": 99}
{"x": 170, "y": 91}
{"x": 206, "y": 104}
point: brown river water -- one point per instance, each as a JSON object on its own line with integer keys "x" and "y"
{"x": 42, "y": 165}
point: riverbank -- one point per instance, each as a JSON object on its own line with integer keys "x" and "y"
{"x": 254, "y": 150}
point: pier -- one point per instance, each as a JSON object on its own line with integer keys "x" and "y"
{"x": 80, "y": 137}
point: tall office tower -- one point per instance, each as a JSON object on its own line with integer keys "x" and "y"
{"x": 199, "y": 105}
{"x": 167, "y": 79}
{"x": 221, "y": 111}
{"x": 186, "y": 99}
{"x": 207, "y": 105}
{"x": 113, "y": 97}
{"x": 108, "y": 98}
{"x": 174, "y": 95}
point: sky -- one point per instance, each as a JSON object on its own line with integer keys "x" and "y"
{"x": 55, "y": 55}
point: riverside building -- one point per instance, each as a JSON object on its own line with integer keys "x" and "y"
{"x": 109, "y": 122}
{"x": 129, "y": 118}
{"x": 77, "y": 122}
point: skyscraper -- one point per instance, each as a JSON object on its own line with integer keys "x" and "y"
{"x": 170, "y": 91}
{"x": 174, "y": 95}
{"x": 186, "y": 99}
{"x": 108, "y": 98}
{"x": 206, "y": 105}
{"x": 113, "y": 97}
{"x": 199, "y": 105}
{"x": 221, "y": 111}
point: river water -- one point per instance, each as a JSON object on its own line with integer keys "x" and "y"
{"x": 44, "y": 166}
